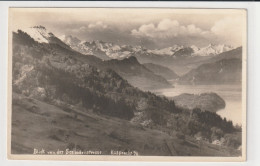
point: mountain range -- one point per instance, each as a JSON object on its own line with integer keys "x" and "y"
{"x": 163, "y": 62}
{"x": 115, "y": 51}
{"x": 68, "y": 97}
{"x": 55, "y": 74}
{"x": 150, "y": 68}
{"x": 226, "y": 68}
{"x": 128, "y": 68}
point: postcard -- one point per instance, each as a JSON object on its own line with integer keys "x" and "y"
{"x": 127, "y": 84}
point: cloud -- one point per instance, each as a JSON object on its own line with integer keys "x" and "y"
{"x": 229, "y": 29}
{"x": 97, "y": 25}
{"x": 166, "y": 29}
{"x": 91, "y": 27}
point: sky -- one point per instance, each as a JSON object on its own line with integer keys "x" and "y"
{"x": 148, "y": 27}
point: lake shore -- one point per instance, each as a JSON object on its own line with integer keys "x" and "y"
{"x": 230, "y": 93}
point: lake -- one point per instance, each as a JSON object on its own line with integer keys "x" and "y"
{"x": 232, "y": 94}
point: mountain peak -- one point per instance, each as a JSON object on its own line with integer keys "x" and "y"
{"x": 39, "y": 27}
{"x": 212, "y": 49}
{"x": 38, "y": 33}
{"x": 70, "y": 40}
{"x": 41, "y": 35}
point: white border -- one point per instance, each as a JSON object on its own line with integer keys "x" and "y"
{"x": 253, "y": 113}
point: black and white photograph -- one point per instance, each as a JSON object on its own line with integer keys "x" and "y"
{"x": 117, "y": 83}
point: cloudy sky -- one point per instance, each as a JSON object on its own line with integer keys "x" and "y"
{"x": 152, "y": 28}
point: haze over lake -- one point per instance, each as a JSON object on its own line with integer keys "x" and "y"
{"x": 230, "y": 93}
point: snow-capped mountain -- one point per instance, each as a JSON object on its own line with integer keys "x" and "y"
{"x": 42, "y": 35}
{"x": 211, "y": 50}
{"x": 106, "y": 50}
{"x": 39, "y": 33}
{"x": 166, "y": 51}
{"x": 195, "y": 48}
{"x": 70, "y": 40}
{"x": 101, "y": 49}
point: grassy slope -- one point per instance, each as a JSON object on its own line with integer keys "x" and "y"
{"x": 36, "y": 124}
